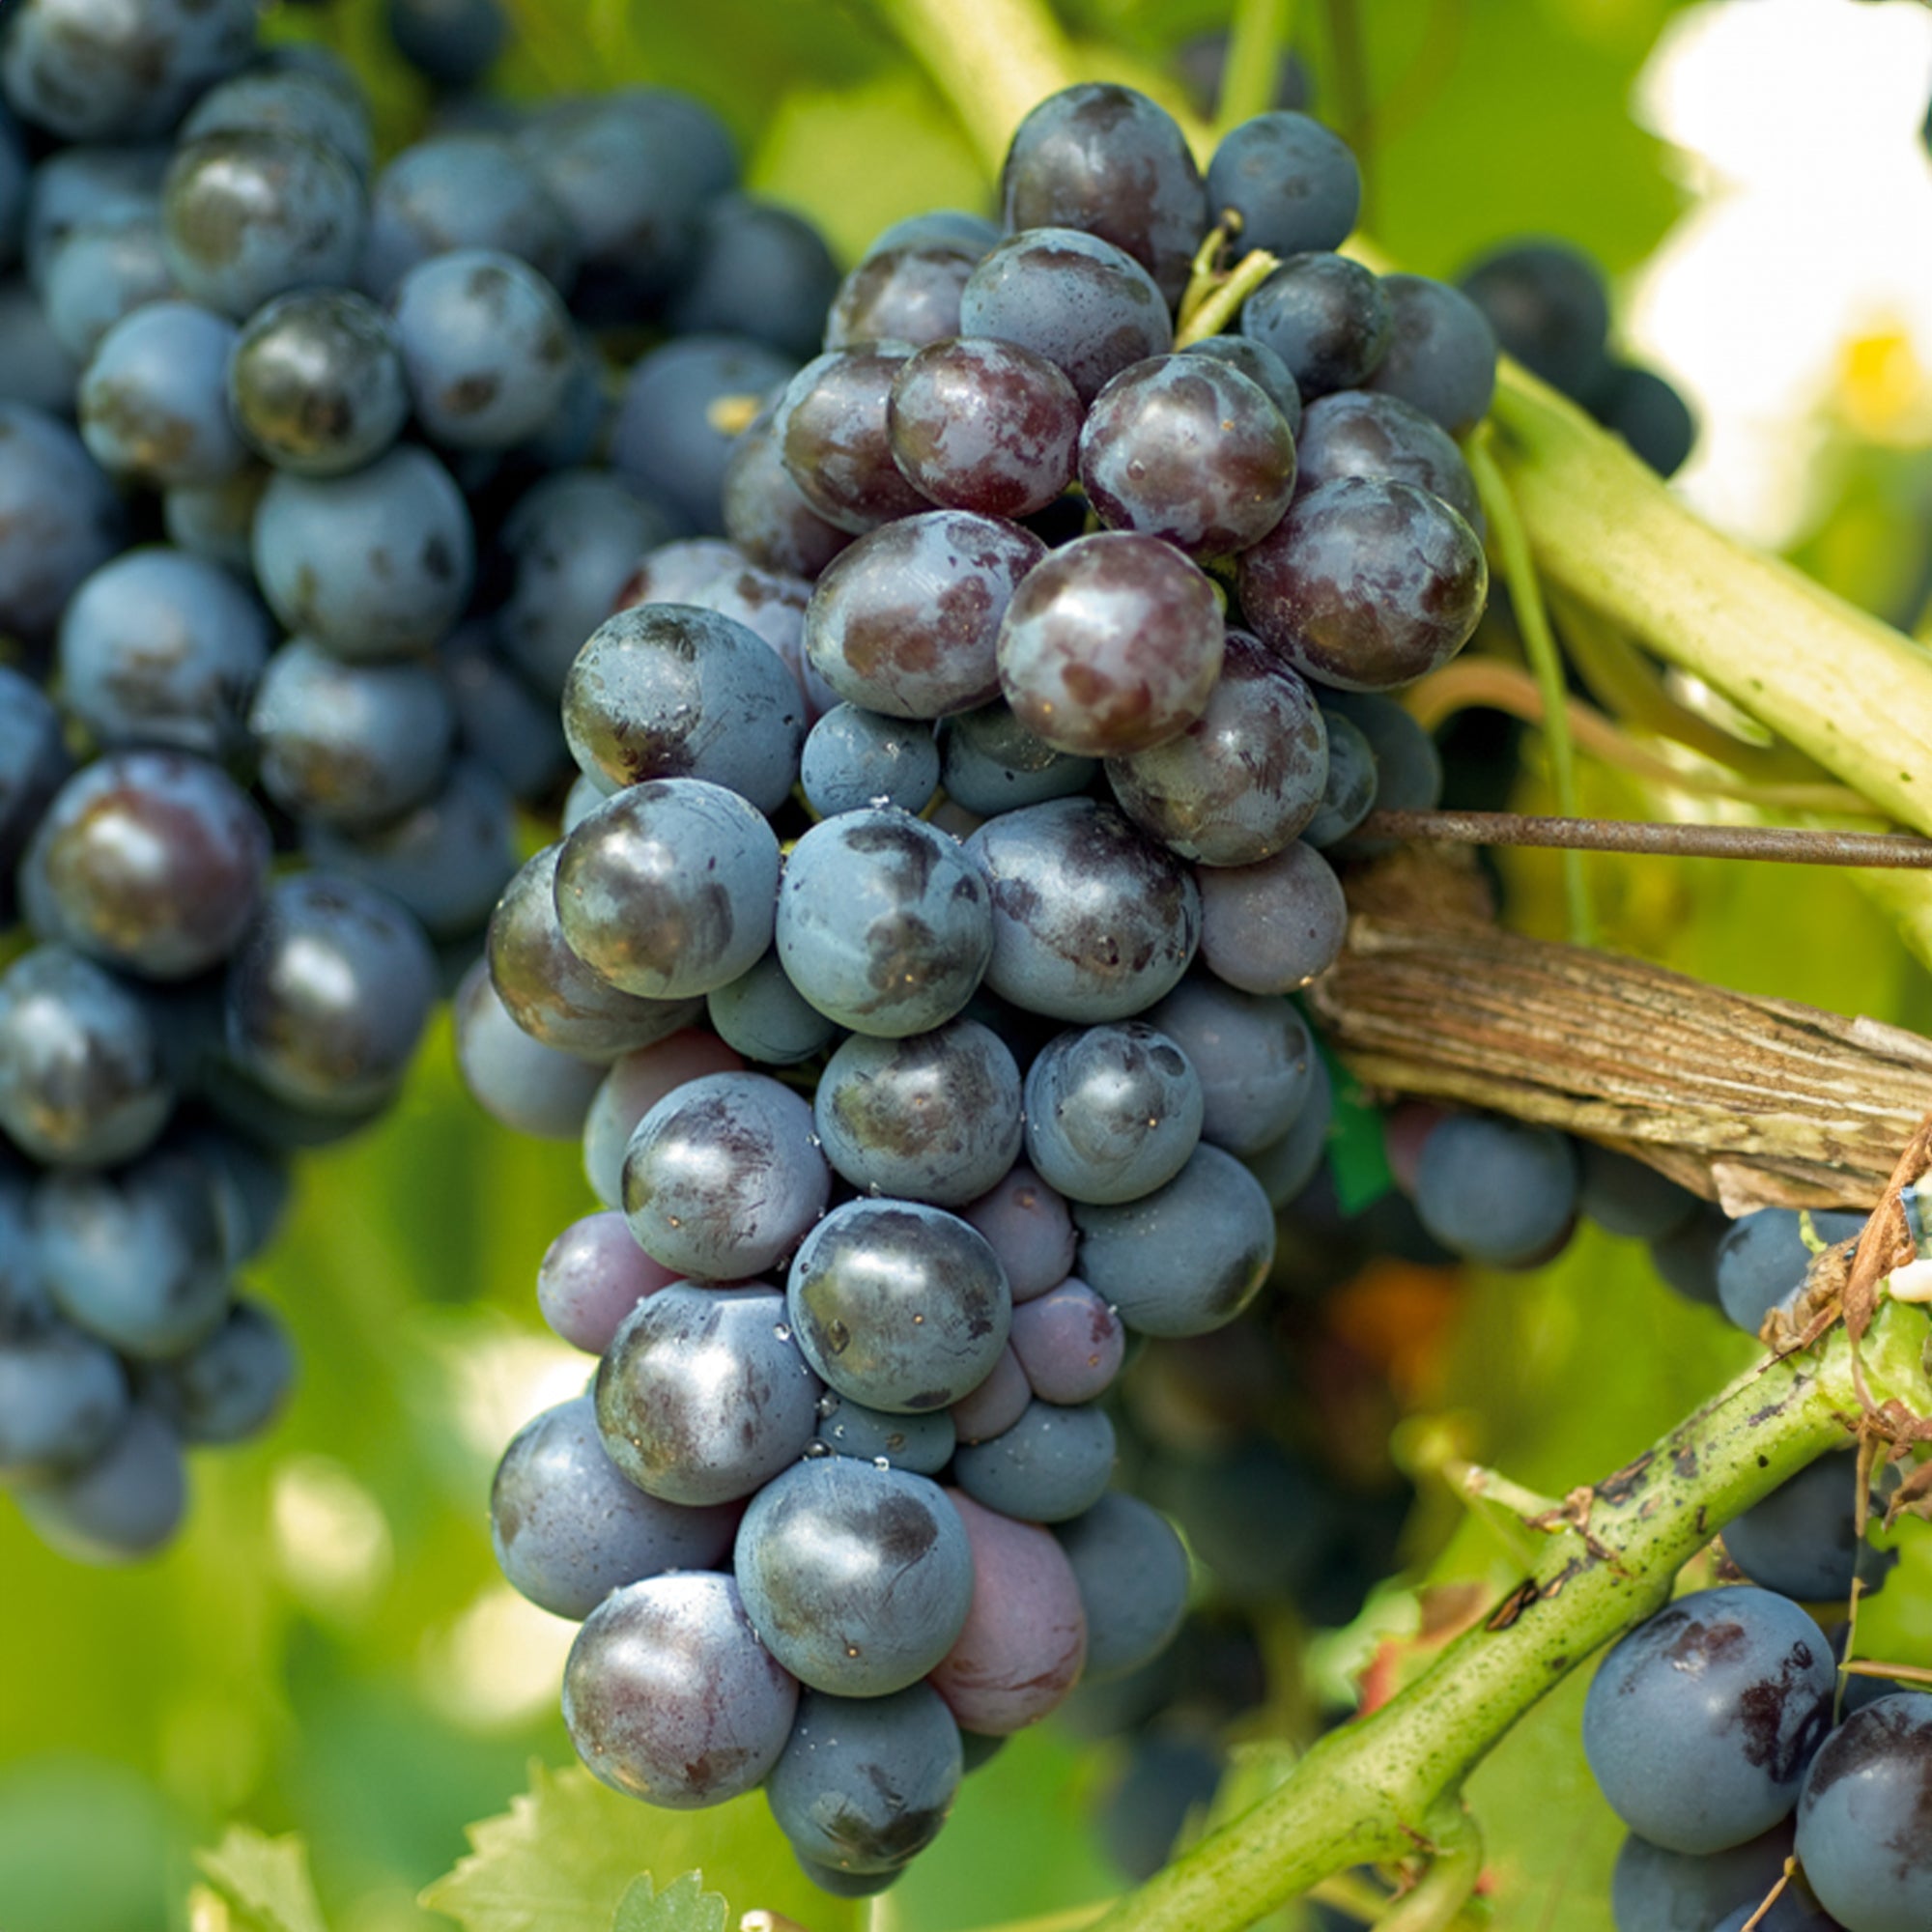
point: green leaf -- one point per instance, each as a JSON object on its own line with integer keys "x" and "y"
{"x": 685, "y": 1907}
{"x": 1356, "y": 1153}
{"x": 564, "y": 1856}
{"x": 265, "y": 1880}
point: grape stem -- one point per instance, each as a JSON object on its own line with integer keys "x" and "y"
{"x": 1376, "y": 1790}
{"x": 1217, "y": 310}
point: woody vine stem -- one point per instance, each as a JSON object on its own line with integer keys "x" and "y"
{"x": 1605, "y": 535}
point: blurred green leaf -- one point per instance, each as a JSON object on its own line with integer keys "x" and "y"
{"x": 265, "y": 1879}
{"x": 1357, "y": 1155}
{"x": 685, "y": 1906}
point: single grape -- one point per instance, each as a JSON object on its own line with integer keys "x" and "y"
{"x": 1700, "y": 1723}
{"x": 1550, "y": 309}
{"x": 899, "y": 1305}
{"x": 833, "y": 439}
{"x": 670, "y": 1697}
{"x": 328, "y": 994}
{"x": 1802, "y": 1540}
{"x": 1029, "y": 1228}
{"x": 921, "y": 1443}
{"x": 451, "y": 44}
{"x": 553, "y": 996}
{"x": 315, "y": 382}
{"x": 59, "y": 519}
{"x": 126, "y": 1504}
{"x": 939, "y": 228}
{"x": 1188, "y": 1258}
{"x": 87, "y": 185}
{"x": 531, "y": 1087}
{"x": 1054, "y": 1462}
{"x": 763, "y": 1017}
{"x": 858, "y": 1579}
{"x": 1251, "y": 1053}
{"x": 703, "y": 1395}
{"x": 1627, "y": 1195}
{"x": 1112, "y": 1113}
{"x": 1686, "y": 1259}
{"x": 983, "y": 425}
{"x": 287, "y": 101}
{"x": 1366, "y": 585}
{"x": 724, "y": 1176}
{"x": 153, "y": 401}
{"x": 63, "y": 1400}
{"x": 1024, "y": 1639}
{"x": 634, "y": 1084}
{"x": 671, "y": 691}
{"x": 1292, "y": 185}
{"x": 375, "y": 565}
{"x": 99, "y": 273}
{"x": 666, "y": 890}
{"x": 1862, "y": 1820}
{"x": 230, "y": 1386}
{"x": 83, "y": 1080}
{"x": 1441, "y": 355}
{"x": 906, "y": 293}
{"x": 150, "y": 860}
{"x": 1262, "y": 366}
{"x": 591, "y": 1277}
{"x": 1132, "y": 1574}
{"x": 884, "y": 924}
{"x": 215, "y": 522}
{"x": 907, "y": 621}
{"x": 865, "y": 1784}
{"x": 758, "y": 270}
{"x": 1076, "y": 300}
{"x": 1069, "y": 1343}
{"x": 1408, "y": 768}
{"x": 252, "y": 214}
{"x": 990, "y": 763}
{"x": 766, "y": 515}
{"x": 1089, "y": 921}
{"x": 568, "y": 1529}
{"x": 1763, "y": 1259}
{"x": 1360, "y": 433}
{"x": 1326, "y": 317}
{"x": 996, "y": 1404}
{"x": 1271, "y": 928}
{"x": 934, "y": 1116}
{"x": 854, "y": 757}
{"x": 1650, "y": 416}
{"x": 1499, "y": 1191}
{"x": 1655, "y": 1890}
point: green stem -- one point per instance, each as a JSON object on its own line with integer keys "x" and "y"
{"x": 1546, "y": 661}
{"x": 1262, "y": 29}
{"x": 1369, "y": 1792}
{"x": 1212, "y": 316}
{"x": 1456, "y": 1864}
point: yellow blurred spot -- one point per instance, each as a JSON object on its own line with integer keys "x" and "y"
{"x": 733, "y": 415}
{"x": 1882, "y": 385}
{"x": 331, "y": 1539}
{"x": 498, "y": 1665}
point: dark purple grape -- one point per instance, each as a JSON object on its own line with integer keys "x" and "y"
{"x": 315, "y": 382}
{"x": 1686, "y": 1259}
{"x": 901, "y": 294}
{"x": 670, "y": 1697}
{"x": 126, "y": 1504}
{"x": 1628, "y": 1196}
{"x": 1442, "y": 356}
{"x": 865, "y": 1784}
{"x": 854, "y": 758}
{"x": 83, "y": 1079}
{"x": 907, "y": 621}
{"x": 1081, "y": 302}
{"x": 767, "y": 514}
{"x": 1358, "y": 433}
{"x": 230, "y": 1386}
{"x": 884, "y": 924}
{"x": 531, "y": 1087}
{"x": 1188, "y": 449}
{"x": 1762, "y": 1258}
{"x": 1051, "y": 1465}
{"x": 1024, "y": 1639}
{"x": 1188, "y": 1258}
{"x": 1029, "y": 1230}
{"x": 1107, "y": 161}
{"x": 1112, "y": 1113}
{"x": 1326, "y": 317}
{"x": 1090, "y": 923}
{"x": 763, "y": 1017}
{"x": 591, "y": 1277}
{"x": 932, "y": 1118}
{"x": 724, "y": 1176}
{"x": 986, "y": 426}
{"x": 328, "y": 994}
{"x": 350, "y": 745}
{"x": 452, "y": 43}
{"x": 1650, "y": 416}
{"x": 996, "y": 1404}
{"x": 550, "y": 993}
{"x": 162, "y": 648}
{"x": 921, "y": 1443}
{"x": 1071, "y": 1344}
{"x": 1862, "y": 1821}
{"x": 249, "y": 214}
{"x": 898, "y": 1305}
{"x": 1499, "y": 1191}
{"x": 1655, "y": 1890}
{"x": 63, "y": 1400}
{"x": 671, "y": 691}
{"x": 1802, "y": 1540}
{"x": 327, "y": 108}
{"x": 1111, "y": 645}
{"x": 703, "y": 1396}
{"x": 59, "y": 519}
{"x": 1262, "y": 366}
{"x": 1132, "y": 1573}
{"x": 990, "y": 763}
{"x": 1271, "y": 928}
{"x": 1700, "y": 1723}
{"x": 1251, "y": 1053}
{"x": 1366, "y": 586}
{"x": 568, "y": 1529}
{"x": 759, "y": 270}
{"x": 150, "y": 860}
{"x": 153, "y": 401}
{"x": 1550, "y": 309}
{"x": 214, "y": 522}
{"x": 1349, "y": 793}
{"x": 634, "y": 1085}
{"x": 1290, "y": 183}
{"x": 858, "y": 1579}
{"x": 1244, "y": 778}
{"x": 666, "y": 891}
{"x": 833, "y": 439}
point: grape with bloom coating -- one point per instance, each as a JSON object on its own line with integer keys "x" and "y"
{"x": 833, "y": 442}
{"x": 1271, "y": 928}
{"x": 1112, "y": 1113}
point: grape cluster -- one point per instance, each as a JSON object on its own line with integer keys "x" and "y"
{"x": 915, "y": 963}
{"x": 313, "y": 477}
